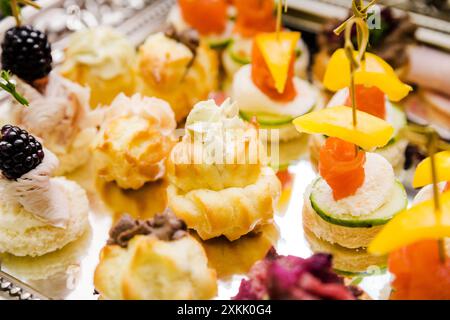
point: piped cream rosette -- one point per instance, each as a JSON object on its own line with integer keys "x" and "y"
{"x": 40, "y": 214}
{"x": 102, "y": 59}
{"x": 219, "y": 181}
{"x": 134, "y": 140}
{"x": 171, "y": 71}
{"x": 61, "y": 117}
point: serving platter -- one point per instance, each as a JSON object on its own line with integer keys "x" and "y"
{"x": 68, "y": 273}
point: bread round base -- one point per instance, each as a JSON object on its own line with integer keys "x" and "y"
{"x": 352, "y": 238}
{"x": 285, "y": 133}
{"x": 35, "y": 238}
{"x": 50, "y": 265}
{"x": 345, "y": 260}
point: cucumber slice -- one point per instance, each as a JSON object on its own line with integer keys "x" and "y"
{"x": 239, "y": 58}
{"x": 267, "y": 119}
{"x": 397, "y": 118}
{"x": 219, "y": 43}
{"x": 397, "y": 203}
{"x": 240, "y": 51}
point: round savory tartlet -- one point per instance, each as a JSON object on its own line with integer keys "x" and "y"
{"x": 151, "y": 260}
{"x": 134, "y": 140}
{"x": 227, "y": 191}
{"x": 102, "y": 59}
{"x": 351, "y": 214}
{"x": 179, "y": 68}
{"x": 268, "y": 91}
{"x": 394, "y": 151}
{"x": 38, "y": 213}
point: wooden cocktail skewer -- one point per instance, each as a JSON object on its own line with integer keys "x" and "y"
{"x": 355, "y": 62}
{"x": 16, "y": 10}
{"x": 432, "y": 146}
{"x": 358, "y": 12}
{"x": 280, "y": 6}
{"x": 420, "y": 135}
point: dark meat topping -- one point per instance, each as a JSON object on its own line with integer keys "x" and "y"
{"x": 164, "y": 226}
{"x": 190, "y": 37}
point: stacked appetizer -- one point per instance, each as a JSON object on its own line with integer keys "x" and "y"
{"x": 391, "y": 41}
{"x": 356, "y": 192}
{"x": 58, "y": 109}
{"x": 220, "y": 183}
{"x": 38, "y": 213}
{"x": 417, "y": 239}
{"x": 179, "y": 67}
{"x": 254, "y": 17}
{"x": 134, "y": 140}
{"x": 376, "y": 91}
{"x": 102, "y": 59}
{"x": 211, "y": 18}
{"x": 268, "y": 88}
{"x": 153, "y": 259}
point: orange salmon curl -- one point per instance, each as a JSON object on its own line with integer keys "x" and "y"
{"x": 206, "y": 16}
{"x": 419, "y": 272}
{"x": 342, "y": 167}
{"x": 262, "y": 78}
{"x": 370, "y": 100}
{"x": 255, "y": 16}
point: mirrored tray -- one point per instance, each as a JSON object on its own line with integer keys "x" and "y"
{"x": 68, "y": 273}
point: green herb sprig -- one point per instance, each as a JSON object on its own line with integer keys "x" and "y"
{"x": 13, "y": 8}
{"x": 8, "y": 86}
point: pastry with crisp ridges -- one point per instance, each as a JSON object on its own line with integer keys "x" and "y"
{"x": 151, "y": 260}
{"x": 134, "y": 140}
{"x": 103, "y": 60}
{"x": 227, "y": 189}
{"x": 179, "y": 68}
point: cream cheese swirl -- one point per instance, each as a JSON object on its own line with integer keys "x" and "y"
{"x": 37, "y": 194}
{"x": 107, "y": 52}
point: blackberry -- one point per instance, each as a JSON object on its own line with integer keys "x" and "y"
{"x": 26, "y": 52}
{"x": 20, "y": 152}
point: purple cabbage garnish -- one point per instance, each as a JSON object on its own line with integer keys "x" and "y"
{"x": 294, "y": 278}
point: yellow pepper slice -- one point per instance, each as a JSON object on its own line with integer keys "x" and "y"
{"x": 373, "y": 71}
{"x": 422, "y": 176}
{"x": 417, "y": 223}
{"x": 371, "y": 132}
{"x": 277, "y": 51}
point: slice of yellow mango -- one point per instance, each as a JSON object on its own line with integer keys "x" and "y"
{"x": 423, "y": 177}
{"x": 277, "y": 51}
{"x": 417, "y": 223}
{"x": 373, "y": 71}
{"x": 371, "y": 132}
